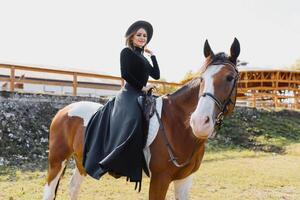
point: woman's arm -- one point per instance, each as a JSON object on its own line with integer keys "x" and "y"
{"x": 154, "y": 71}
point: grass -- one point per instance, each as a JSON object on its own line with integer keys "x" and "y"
{"x": 256, "y": 156}
{"x": 230, "y": 174}
{"x": 258, "y": 129}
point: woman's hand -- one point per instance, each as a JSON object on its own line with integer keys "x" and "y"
{"x": 148, "y": 51}
{"x": 148, "y": 87}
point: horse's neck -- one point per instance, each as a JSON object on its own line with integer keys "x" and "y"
{"x": 177, "y": 110}
{"x": 185, "y": 100}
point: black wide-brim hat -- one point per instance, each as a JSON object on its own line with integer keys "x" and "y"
{"x": 140, "y": 24}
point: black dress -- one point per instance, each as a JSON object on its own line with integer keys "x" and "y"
{"x": 114, "y": 136}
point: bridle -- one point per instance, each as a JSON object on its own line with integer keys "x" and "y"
{"x": 222, "y": 106}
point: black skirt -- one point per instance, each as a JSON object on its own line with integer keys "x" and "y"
{"x": 114, "y": 138}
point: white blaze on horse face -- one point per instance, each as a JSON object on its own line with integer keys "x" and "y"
{"x": 84, "y": 110}
{"x": 202, "y": 119}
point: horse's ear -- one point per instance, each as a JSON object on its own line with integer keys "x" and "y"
{"x": 207, "y": 50}
{"x": 234, "y": 50}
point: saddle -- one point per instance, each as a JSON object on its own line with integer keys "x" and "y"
{"x": 147, "y": 103}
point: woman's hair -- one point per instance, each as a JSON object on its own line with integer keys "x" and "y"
{"x": 129, "y": 42}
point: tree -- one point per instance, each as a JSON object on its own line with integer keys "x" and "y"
{"x": 162, "y": 89}
{"x": 189, "y": 76}
{"x": 296, "y": 65}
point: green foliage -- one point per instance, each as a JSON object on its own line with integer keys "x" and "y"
{"x": 189, "y": 76}
{"x": 260, "y": 130}
{"x": 164, "y": 89}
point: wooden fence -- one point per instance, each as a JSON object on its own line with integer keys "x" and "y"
{"x": 14, "y": 80}
{"x": 270, "y": 88}
{"x": 256, "y": 88}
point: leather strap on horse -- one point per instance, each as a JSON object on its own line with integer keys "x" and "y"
{"x": 223, "y": 106}
{"x": 219, "y": 119}
{"x": 173, "y": 158}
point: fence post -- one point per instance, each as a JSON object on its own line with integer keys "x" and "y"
{"x": 75, "y": 84}
{"x": 12, "y": 79}
{"x": 254, "y": 100}
{"x": 297, "y": 100}
{"x": 164, "y": 88}
{"x": 276, "y": 101}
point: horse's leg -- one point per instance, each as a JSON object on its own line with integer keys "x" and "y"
{"x": 182, "y": 188}
{"x": 79, "y": 172}
{"x": 59, "y": 153}
{"x": 158, "y": 187}
{"x": 78, "y": 176}
{"x": 75, "y": 184}
{"x": 55, "y": 171}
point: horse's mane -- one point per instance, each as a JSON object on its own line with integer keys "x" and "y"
{"x": 189, "y": 85}
{"x": 219, "y": 57}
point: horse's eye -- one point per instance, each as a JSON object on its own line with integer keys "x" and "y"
{"x": 229, "y": 78}
{"x": 201, "y": 79}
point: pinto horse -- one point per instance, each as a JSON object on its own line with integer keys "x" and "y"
{"x": 188, "y": 118}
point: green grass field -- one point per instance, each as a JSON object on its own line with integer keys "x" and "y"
{"x": 228, "y": 174}
{"x": 255, "y": 156}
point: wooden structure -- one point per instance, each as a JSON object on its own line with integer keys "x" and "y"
{"x": 269, "y": 88}
{"x": 104, "y": 82}
{"x": 256, "y": 88}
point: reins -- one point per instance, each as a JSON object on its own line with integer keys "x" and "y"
{"x": 219, "y": 119}
{"x": 173, "y": 158}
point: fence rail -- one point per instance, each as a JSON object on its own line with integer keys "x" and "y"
{"x": 12, "y": 79}
{"x": 269, "y": 88}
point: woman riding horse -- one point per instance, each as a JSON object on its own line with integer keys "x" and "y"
{"x": 188, "y": 117}
{"x": 116, "y": 134}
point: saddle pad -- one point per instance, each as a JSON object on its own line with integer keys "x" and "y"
{"x": 153, "y": 130}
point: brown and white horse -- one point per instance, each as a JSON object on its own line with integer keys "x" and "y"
{"x": 189, "y": 117}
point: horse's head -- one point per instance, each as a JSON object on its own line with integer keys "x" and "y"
{"x": 217, "y": 94}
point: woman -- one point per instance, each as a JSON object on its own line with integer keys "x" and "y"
{"x": 114, "y": 137}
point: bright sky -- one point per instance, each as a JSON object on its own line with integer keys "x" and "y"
{"x": 88, "y": 35}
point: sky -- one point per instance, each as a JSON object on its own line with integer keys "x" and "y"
{"x": 89, "y": 35}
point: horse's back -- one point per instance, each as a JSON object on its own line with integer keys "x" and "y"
{"x": 82, "y": 111}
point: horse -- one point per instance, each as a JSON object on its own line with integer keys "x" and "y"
{"x": 189, "y": 117}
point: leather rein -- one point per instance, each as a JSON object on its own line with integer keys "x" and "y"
{"x": 223, "y": 107}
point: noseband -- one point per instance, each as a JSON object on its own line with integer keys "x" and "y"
{"x": 219, "y": 119}
{"x": 223, "y": 106}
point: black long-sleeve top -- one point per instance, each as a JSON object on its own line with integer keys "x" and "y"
{"x": 136, "y": 69}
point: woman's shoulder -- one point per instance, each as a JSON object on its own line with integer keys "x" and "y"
{"x": 126, "y": 51}
{"x": 128, "y": 54}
